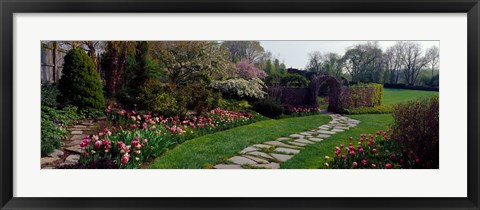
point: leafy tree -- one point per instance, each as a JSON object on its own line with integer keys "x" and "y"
{"x": 113, "y": 64}
{"x": 364, "y": 62}
{"x": 250, "y": 50}
{"x": 80, "y": 83}
{"x": 269, "y": 68}
{"x": 315, "y": 61}
{"x": 186, "y": 62}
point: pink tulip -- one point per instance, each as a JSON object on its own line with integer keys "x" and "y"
{"x": 388, "y": 166}
{"x": 98, "y": 144}
{"x": 374, "y": 166}
{"x": 354, "y": 164}
{"x": 374, "y": 151}
{"x": 364, "y": 162}
{"x": 344, "y": 157}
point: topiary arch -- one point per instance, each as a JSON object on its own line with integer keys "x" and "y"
{"x": 335, "y": 89}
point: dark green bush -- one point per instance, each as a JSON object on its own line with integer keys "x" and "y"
{"x": 200, "y": 98}
{"x": 417, "y": 125}
{"x": 367, "y": 110}
{"x": 49, "y": 94}
{"x": 80, "y": 84}
{"x": 294, "y": 80}
{"x": 268, "y": 107}
{"x": 162, "y": 99}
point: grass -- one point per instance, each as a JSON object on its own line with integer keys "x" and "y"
{"x": 395, "y": 96}
{"x": 206, "y": 151}
{"x": 312, "y": 157}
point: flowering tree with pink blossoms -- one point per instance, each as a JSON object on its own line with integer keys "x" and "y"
{"x": 248, "y": 71}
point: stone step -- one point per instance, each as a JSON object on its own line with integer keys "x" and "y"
{"x": 261, "y": 155}
{"x": 287, "y": 150}
{"x": 227, "y": 166}
{"x": 304, "y": 141}
{"x": 281, "y": 157}
{"x": 249, "y": 149}
{"x": 241, "y": 160}
{"x": 272, "y": 165}
{"x": 256, "y": 159}
{"x": 280, "y": 144}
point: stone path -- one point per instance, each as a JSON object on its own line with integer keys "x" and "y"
{"x": 269, "y": 154}
{"x": 69, "y": 153}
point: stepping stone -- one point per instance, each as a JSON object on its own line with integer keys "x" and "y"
{"x": 76, "y": 132}
{"x": 48, "y": 161}
{"x": 307, "y": 133}
{"x": 281, "y": 157}
{"x": 241, "y": 160}
{"x": 351, "y": 125}
{"x": 286, "y": 150}
{"x": 225, "y": 166}
{"x": 323, "y": 128}
{"x": 323, "y": 135}
{"x": 77, "y": 137}
{"x": 267, "y": 166}
{"x": 256, "y": 159}
{"x": 72, "y": 159}
{"x": 296, "y": 136}
{"x": 72, "y": 143}
{"x": 75, "y": 149}
{"x": 304, "y": 141}
{"x": 279, "y": 144}
{"x": 262, "y": 146}
{"x": 338, "y": 130}
{"x": 296, "y": 143}
{"x": 260, "y": 154}
{"x": 315, "y": 139}
{"x": 56, "y": 153}
{"x": 248, "y": 149}
{"x": 342, "y": 128}
{"x": 326, "y": 132}
{"x": 283, "y": 138}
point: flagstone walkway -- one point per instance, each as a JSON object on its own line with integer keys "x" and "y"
{"x": 269, "y": 154}
{"x": 70, "y": 151}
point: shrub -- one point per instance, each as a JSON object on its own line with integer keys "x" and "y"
{"x": 49, "y": 94}
{"x": 367, "y": 110}
{"x": 294, "y": 80}
{"x": 362, "y": 95}
{"x": 268, "y": 107}
{"x": 240, "y": 88}
{"x": 80, "y": 83}
{"x": 162, "y": 99}
{"x": 233, "y": 105}
{"x": 403, "y": 86}
{"x": 199, "y": 98}
{"x": 248, "y": 71}
{"x": 417, "y": 124}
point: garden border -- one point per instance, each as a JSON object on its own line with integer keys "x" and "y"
{"x": 9, "y": 7}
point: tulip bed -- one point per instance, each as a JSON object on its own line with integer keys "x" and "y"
{"x": 381, "y": 150}
{"x": 136, "y": 138}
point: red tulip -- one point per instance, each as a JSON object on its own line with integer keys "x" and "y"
{"x": 354, "y": 164}
{"x": 364, "y": 162}
{"x": 388, "y": 166}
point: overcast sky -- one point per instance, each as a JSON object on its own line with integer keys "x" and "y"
{"x": 295, "y": 53}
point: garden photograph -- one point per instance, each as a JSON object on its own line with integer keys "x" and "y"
{"x": 239, "y": 104}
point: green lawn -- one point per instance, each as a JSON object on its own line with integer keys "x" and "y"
{"x": 395, "y": 96}
{"x": 208, "y": 150}
{"x": 312, "y": 157}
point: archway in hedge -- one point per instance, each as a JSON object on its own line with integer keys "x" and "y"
{"x": 335, "y": 89}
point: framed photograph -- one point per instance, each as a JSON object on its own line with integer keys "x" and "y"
{"x": 239, "y": 105}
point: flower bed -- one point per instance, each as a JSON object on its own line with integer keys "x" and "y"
{"x": 137, "y": 138}
{"x": 303, "y": 111}
{"x": 380, "y": 151}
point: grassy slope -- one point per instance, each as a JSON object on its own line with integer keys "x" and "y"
{"x": 214, "y": 148}
{"x": 395, "y": 96}
{"x": 313, "y": 155}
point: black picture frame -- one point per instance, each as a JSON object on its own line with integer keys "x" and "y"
{"x": 9, "y": 7}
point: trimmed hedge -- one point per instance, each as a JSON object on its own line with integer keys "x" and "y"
{"x": 362, "y": 95}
